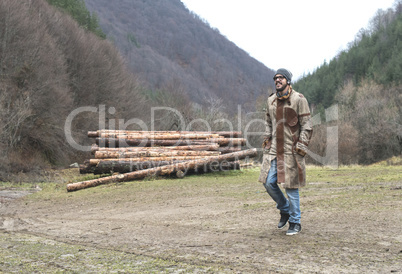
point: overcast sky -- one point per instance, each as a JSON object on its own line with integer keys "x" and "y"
{"x": 295, "y": 34}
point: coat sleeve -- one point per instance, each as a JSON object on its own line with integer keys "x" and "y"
{"x": 306, "y": 128}
{"x": 268, "y": 129}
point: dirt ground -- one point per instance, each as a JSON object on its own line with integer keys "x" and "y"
{"x": 219, "y": 223}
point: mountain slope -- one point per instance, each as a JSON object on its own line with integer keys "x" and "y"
{"x": 165, "y": 44}
{"x": 49, "y": 68}
{"x": 364, "y": 84}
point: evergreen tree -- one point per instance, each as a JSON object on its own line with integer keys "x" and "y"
{"x": 78, "y": 10}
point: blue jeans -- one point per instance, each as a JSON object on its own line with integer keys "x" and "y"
{"x": 289, "y": 206}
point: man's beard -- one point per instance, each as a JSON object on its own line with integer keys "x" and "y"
{"x": 280, "y": 89}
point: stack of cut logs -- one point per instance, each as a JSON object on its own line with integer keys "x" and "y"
{"x": 137, "y": 154}
{"x": 127, "y": 151}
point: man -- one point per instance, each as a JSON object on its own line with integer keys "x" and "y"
{"x": 288, "y": 132}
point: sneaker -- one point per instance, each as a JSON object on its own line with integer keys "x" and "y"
{"x": 294, "y": 229}
{"x": 284, "y": 219}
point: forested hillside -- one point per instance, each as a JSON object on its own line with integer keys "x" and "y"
{"x": 169, "y": 48}
{"x": 364, "y": 82}
{"x": 79, "y": 11}
{"x": 50, "y": 66}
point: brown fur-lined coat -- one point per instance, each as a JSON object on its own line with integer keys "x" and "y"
{"x": 288, "y": 133}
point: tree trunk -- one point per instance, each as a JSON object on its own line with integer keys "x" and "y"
{"x": 164, "y": 170}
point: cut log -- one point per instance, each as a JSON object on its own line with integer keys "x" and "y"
{"x": 231, "y": 134}
{"x": 128, "y": 166}
{"x": 229, "y": 141}
{"x": 152, "y": 153}
{"x": 94, "y": 148}
{"x": 93, "y": 134}
{"x": 180, "y": 174}
{"x": 126, "y": 142}
{"x": 159, "y": 136}
{"x": 216, "y": 167}
{"x": 164, "y": 170}
{"x": 211, "y": 147}
{"x": 86, "y": 167}
{"x": 227, "y": 149}
{"x": 94, "y": 162}
{"x": 120, "y": 166}
{"x": 117, "y": 142}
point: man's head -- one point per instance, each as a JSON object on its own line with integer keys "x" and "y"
{"x": 282, "y": 79}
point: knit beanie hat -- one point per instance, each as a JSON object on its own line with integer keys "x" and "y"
{"x": 287, "y": 74}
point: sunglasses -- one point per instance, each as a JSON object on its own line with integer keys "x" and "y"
{"x": 279, "y": 78}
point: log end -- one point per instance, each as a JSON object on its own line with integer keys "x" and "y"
{"x": 180, "y": 174}
{"x": 93, "y": 134}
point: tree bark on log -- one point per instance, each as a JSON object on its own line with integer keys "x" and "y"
{"x": 215, "y": 167}
{"x": 230, "y": 134}
{"x": 212, "y": 147}
{"x": 117, "y": 142}
{"x": 227, "y": 149}
{"x": 229, "y": 141}
{"x": 164, "y": 170}
{"x": 152, "y": 153}
{"x": 125, "y": 167}
{"x": 160, "y": 136}
{"x": 121, "y": 166}
{"x": 94, "y": 162}
{"x": 127, "y": 142}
